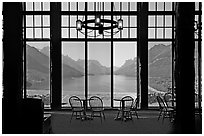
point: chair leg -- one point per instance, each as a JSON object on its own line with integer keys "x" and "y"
{"x": 160, "y": 114}
{"x": 92, "y": 114}
{"x": 103, "y": 115}
{"x": 118, "y": 114}
{"x": 136, "y": 114}
{"x": 71, "y": 117}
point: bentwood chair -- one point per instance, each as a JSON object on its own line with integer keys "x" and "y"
{"x": 125, "y": 107}
{"x": 134, "y": 107}
{"x": 169, "y": 100}
{"x": 164, "y": 110}
{"x": 76, "y": 106}
{"x": 96, "y": 106}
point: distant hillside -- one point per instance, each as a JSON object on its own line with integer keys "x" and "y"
{"x": 38, "y": 69}
{"x": 95, "y": 68}
{"x": 159, "y": 61}
{"x": 129, "y": 68}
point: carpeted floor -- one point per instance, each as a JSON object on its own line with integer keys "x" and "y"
{"x": 146, "y": 124}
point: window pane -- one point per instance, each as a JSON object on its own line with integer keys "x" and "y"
{"x": 152, "y": 6}
{"x": 168, "y": 6}
{"x": 73, "y": 33}
{"x": 37, "y": 20}
{"x": 160, "y": 33}
{"x": 81, "y": 6}
{"x": 46, "y": 6}
{"x": 133, "y": 33}
{"x": 90, "y": 6}
{"x": 151, "y": 21}
{"x": 46, "y": 20}
{"x": 38, "y": 33}
{"x": 29, "y": 21}
{"x": 160, "y": 6}
{"x": 107, "y": 6}
{"x": 160, "y": 21}
{"x": 29, "y": 32}
{"x": 46, "y": 33}
{"x": 124, "y": 6}
{"x": 29, "y": 6}
{"x": 73, "y": 6}
{"x": 64, "y": 32}
{"x": 151, "y": 33}
{"x": 65, "y": 21}
{"x": 159, "y": 70}
{"x": 168, "y": 33}
{"x": 99, "y": 78}
{"x": 125, "y": 69}
{"x": 37, "y": 6}
{"x": 64, "y": 6}
{"x": 125, "y": 33}
{"x": 73, "y": 79}
{"x": 133, "y": 21}
{"x": 38, "y": 71}
{"x": 168, "y": 21}
{"x": 133, "y": 6}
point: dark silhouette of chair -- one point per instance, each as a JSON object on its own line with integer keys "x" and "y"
{"x": 164, "y": 110}
{"x": 76, "y": 105}
{"x": 96, "y": 106}
{"x": 134, "y": 107}
{"x": 126, "y": 104}
{"x": 169, "y": 100}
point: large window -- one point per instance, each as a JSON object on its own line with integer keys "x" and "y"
{"x": 38, "y": 71}
{"x": 159, "y": 70}
{"x": 73, "y": 70}
{"x": 99, "y": 72}
{"x": 125, "y": 70}
{"x": 91, "y": 59}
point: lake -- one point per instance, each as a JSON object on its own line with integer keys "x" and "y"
{"x": 99, "y": 85}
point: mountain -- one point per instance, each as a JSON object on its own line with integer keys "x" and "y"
{"x": 95, "y": 68}
{"x": 159, "y": 63}
{"x": 65, "y": 59}
{"x": 38, "y": 69}
{"x": 69, "y": 61}
{"x": 45, "y": 50}
{"x": 129, "y": 68}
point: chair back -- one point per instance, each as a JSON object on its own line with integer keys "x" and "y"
{"x": 161, "y": 103}
{"x": 135, "y": 103}
{"x": 128, "y": 101}
{"x": 75, "y": 102}
{"x": 168, "y": 98}
{"x": 96, "y": 102}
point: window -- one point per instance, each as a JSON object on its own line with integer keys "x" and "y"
{"x": 73, "y": 70}
{"x": 125, "y": 70}
{"x": 159, "y": 70}
{"x": 38, "y": 71}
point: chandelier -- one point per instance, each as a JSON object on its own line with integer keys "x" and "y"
{"x": 99, "y": 24}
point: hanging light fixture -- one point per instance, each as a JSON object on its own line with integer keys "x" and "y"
{"x": 97, "y": 20}
{"x": 101, "y": 25}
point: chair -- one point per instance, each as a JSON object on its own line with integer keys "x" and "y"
{"x": 76, "y": 106}
{"x": 164, "y": 110}
{"x": 126, "y": 104}
{"x": 96, "y": 106}
{"x": 169, "y": 100}
{"x": 134, "y": 107}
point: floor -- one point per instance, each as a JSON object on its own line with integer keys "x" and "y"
{"x": 146, "y": 124}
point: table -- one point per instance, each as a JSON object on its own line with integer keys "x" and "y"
{"x": 85, "y": 116}
{"x": 123, "y": 106}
